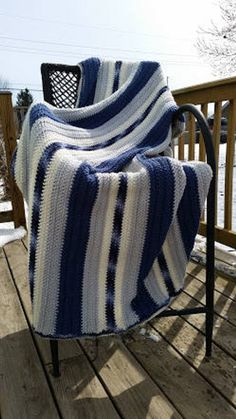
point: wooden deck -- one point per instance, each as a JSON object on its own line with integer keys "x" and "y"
{"x": 130, "y": 377}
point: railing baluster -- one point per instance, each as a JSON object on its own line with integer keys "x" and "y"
{"x": 191, "y": 130}
{"x": 202, "y": 151}
{"x": 216, "y": 92}
{"x": 9, "y": 136}
{"x": 181, "y": 148}
{"x": 229, "y": 165}
{"x": 216, "y": 143}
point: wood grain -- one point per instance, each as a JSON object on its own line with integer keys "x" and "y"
{"x": 131, "y": 388}
{"x": 217, "y": 370}
{"x": 202, "y": 149}
{"x": 191, "y": 143}
{"x": 177, "y": 378}
{"x": 77, "y": 377}
{"x": 79, "y": 392}
{"x": 17, "y": 257}
{"x": 9, "y": 136}
{"x": 229, "y": 166}
{"x": 215, "y": 91}
{"x": 22, "y": 381}
{"x": 216, "y": 143}
{"x": 223, "y": 306}
{"x": 224, "y": 286}
{"x": 223, "y": 332}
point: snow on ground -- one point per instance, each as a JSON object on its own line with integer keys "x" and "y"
{"x": 9, "y": 234}
{"x": 7, "y": 231}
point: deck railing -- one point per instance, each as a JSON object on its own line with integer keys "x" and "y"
{"x": 217, "y": 99}
{"x": 19, "y": 116}
{"x": 8, "y": 133}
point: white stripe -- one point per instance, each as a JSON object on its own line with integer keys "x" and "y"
{"x": 49, "y": 241}
{"x": 127, "y": 70}
{"x": 156, "y": 285}
{"x": 175, "y": 256}
{"x": 137, "y": 231}
{"x": 90, "y": 274}
{"x": 105, "y": 249}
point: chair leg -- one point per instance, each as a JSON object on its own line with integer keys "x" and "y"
{"x": 55, "y": 358}
{"x": 209, "y": 330}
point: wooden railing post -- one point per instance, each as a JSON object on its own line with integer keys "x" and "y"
{"x": 207, "y": 94}
{"x": 9, "y": 136}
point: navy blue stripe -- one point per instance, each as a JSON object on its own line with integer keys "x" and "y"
{"x": 38, "y": 191}
{"x": 131, "y": 128}
{"x": 115, "y": 164}
{"x": 162, "y": 183}
{"x": 88, "y": 81}
{"x": 157, "y": 133}
{"x": 82, "y": 198}
{"x": 117, "y": 76}
{"x": 166, "y": 274}
{"x": 42, "y": 111}
{"x": 189, "y": 210}
{"x": 114, "y": 252}
{"x": 140, "y": 79}
{"x": 154, "y": 138}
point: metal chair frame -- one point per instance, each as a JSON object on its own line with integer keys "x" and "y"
{"x": 49, "y": 87}
{"x": 60, "y": 84}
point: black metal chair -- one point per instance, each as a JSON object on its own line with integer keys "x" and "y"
{"x": 60, "y": 86}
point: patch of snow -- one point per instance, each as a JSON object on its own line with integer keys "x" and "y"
{"x": 9, "y": 234}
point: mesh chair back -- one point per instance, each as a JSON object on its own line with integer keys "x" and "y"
{"x": 60, "y": 84}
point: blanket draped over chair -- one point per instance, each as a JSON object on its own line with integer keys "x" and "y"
{"x": 112, "y": 216}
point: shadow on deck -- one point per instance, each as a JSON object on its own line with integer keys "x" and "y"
{"x": 162, "y": 374}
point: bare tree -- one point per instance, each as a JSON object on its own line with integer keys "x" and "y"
{"x": 3, "y": 83}
{"x": 218, "y": 42}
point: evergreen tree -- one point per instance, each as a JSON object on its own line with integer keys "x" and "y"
{"x": 24, "y": 98}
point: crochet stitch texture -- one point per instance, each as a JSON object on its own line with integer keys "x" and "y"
{"x": 111, "y": 221}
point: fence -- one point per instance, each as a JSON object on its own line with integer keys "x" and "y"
{"x": 215, "y": 98}
{"x": 8, "y": 132}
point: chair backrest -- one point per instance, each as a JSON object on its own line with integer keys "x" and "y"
{"x": 60, "y": 84}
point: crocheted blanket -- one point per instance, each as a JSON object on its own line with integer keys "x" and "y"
{"x": 112, "y": 216}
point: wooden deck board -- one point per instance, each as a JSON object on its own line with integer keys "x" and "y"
{"x": 16, "y": 255}
{"x": 225, "y": 286}
{"x": 224, "y": 306}
{"x": 130, "y": 377}
{"x": 217, "y": 370}
{"x": 22, "y": 382}
{"x": 176, "y": 376}
{"x": 223, "y": 333}
{"x": 131, "y": 388}
{"x": 78, "y": 391}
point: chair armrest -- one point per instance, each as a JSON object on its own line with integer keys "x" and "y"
{"x": 210, "y": 232}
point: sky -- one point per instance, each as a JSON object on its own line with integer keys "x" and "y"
{"x": 67, "y": 32}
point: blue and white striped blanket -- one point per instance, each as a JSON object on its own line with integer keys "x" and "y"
{"x": 111, "y": 221}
